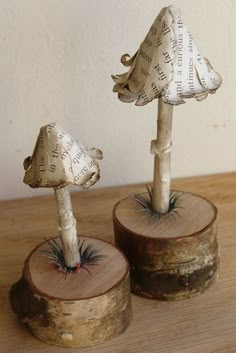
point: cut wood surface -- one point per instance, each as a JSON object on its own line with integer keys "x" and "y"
{"x": 194, "y": 214}
{"x": 203, "y": 324}
{"x": 81, "y": 310}
{"x": 50, "y": 282}
{"x": 171, "y": 257}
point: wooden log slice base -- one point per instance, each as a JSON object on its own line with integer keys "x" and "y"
{"x": 78, "y": 310}
{"x": 174, "y": 257}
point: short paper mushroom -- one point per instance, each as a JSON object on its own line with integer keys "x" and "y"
{"x": 57, "y": 161}
{"x": 169, "y": 67}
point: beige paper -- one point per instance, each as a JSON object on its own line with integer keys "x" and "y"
{"x": 58, "y": 160}
{"x": 167, "y": 65}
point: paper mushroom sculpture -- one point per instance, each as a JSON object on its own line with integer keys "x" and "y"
{"x": 57, "y": 161}
{"x": 167, "y": 67}
{"x": 74, "y": 292}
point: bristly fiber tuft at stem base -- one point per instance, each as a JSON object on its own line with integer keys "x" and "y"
{"x": 147, "y": 207}
{"x": 88, "y": 254}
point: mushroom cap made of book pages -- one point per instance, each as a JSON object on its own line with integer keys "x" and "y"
{"x": 167, "y": 65}
{"x": 58, "y": 160}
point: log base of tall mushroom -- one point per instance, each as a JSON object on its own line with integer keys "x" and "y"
{"x": 81, "y": 309}
{"x": 174, "y": 257}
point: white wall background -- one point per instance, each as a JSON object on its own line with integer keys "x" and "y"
{"x": 56, "y": 58}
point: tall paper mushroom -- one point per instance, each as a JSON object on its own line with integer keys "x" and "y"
{"x": 88, "y": 307}
{"x": 57, "y": 161}
{"x": 169, "y": 67}
{"x": 172, "y": 248}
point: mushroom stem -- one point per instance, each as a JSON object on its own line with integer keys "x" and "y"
{"x": 162, "y": 170}
{"x": 67, "y": 227}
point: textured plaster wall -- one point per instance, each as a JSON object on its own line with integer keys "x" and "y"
{"x": 56, "y": 58}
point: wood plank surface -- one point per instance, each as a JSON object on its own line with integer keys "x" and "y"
{"x": 204, "y": 324}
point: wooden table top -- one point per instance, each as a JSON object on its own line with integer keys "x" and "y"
{"x": 203, "y": 324}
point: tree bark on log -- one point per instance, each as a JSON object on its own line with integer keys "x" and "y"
{"x": 171, "y": 257}
{"x": 81, "y": 310}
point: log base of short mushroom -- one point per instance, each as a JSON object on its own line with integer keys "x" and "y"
{"x": 174, "y": 257}
{"x": 79, "y": 310}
